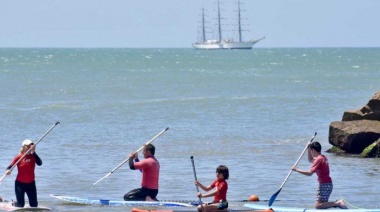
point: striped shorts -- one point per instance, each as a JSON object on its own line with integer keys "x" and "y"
{"x": 324, "y": 191}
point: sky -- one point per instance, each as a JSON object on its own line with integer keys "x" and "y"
{"x": 175, "y": 23}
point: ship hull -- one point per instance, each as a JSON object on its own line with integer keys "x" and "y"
{"x": 238, "y": 45}
{"x": 226, "y": 45}
{"x": 203, "y": 46}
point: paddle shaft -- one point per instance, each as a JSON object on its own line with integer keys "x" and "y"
{"x": 195, "y": 177}
{"x": 271, "y": 200}
{"x": 298, "y": 160}
{"x": 126, "y": 160}
{"x": 30, "y": 149}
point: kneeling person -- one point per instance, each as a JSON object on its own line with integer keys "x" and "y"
{"x": 150, "y": 168}
{"x": 322, "y": 169}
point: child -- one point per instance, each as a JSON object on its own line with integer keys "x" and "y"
{"x": 321, "y": 168}
{"x": 220, "y": 192}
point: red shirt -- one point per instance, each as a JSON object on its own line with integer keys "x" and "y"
{"x": 321, "y": 168}
{"x": 150, "y": 171}
{"x": 25, "y": 168}
{"x": 222, "y": 187}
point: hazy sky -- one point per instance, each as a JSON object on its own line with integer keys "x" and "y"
{"x": 174, "y": 23}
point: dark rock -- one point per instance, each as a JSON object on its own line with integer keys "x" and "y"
{"x": 371, "y": 111}
{"x": 358, "y": 129}
{"x": 354, "y": 136}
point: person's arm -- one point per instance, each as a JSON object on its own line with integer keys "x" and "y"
{"x": 37, "y": 158}
{"x": 132, "y": 157}
{"x": 218, "y": 189}
{"x": 211, "y": 194}
{"x": 131, "y": 164}
{"x": 137, "y": 160}
{"x": 307, "y": 173}
{"x": 208, "y": 188}
{"x": 135, "y": 163}
{"x": 8, "y": 170}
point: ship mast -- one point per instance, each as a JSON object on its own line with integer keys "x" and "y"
{"x": 239, "y": 21}
{"x": 203, "y": 26}
{"x": 219, "y": 25}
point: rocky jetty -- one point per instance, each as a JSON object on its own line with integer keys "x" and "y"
{"x": 359, "y": 131}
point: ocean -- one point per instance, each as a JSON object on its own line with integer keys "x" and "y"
{"x": 253, "y": 111}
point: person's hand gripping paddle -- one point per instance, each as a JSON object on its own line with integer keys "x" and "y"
{"x": 274, "y": 196}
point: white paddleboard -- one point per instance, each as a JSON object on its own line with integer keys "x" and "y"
{"x": 295, "y": 209}
{"x": 88, "y": 201}
{"x": 7, "y": 206}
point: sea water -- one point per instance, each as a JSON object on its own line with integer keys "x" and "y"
{"x": 253, "y": 111}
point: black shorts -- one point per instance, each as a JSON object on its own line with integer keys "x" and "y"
{"x": 139, "y": 194}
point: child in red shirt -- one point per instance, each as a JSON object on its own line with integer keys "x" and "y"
{"x": 220, "y": 192}
{"x": 321, "y": 168}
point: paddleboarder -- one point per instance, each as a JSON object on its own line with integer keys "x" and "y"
{"x": 321, "y": 168}
{"x": 25, "y": 180}
{"x": 150, "y": 168}
{"x": 220, "y": 192}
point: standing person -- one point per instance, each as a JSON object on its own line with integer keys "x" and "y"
{"x": 25, "y": 180}
{"x": 150, "y": 168}
{"x": 220, "y": 192}
{"x": 321, "y": 168}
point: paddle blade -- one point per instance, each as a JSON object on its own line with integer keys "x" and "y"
{"x": 273, "y": 198}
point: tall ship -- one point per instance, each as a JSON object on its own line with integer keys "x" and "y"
{"x": 221, "y": 43}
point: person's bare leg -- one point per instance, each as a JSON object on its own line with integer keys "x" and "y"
{"x": 325, "y": 205}
{"x": 148, "y": 198}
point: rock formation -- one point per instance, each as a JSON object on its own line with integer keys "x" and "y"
{"x": 371, "y": 111}
{"x": 358, "y": 130}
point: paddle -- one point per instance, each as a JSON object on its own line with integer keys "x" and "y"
{"x": 30, "y": 149}
{"x": 271, "y": 200}
{"x": 195, "y": 177}
{"x": 126, "y": 160}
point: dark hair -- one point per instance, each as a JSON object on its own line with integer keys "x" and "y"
{"x": 222, "y": 169}
{"x": 316, "y": 146}
{"x": 150, "y": 148}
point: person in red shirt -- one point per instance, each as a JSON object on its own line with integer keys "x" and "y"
{"x": 321, "y": 168}
{"x": 219, "y": 193}
{"x": 25, "y": 180}
{"x": 150, "y": 168}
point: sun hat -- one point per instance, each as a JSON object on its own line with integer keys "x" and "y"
{"x": 27, "y": 142}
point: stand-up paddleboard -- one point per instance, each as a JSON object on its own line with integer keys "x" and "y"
{"x": 7, "y": 206}
{"x": 295, "y": 209}
{"x": 87, "y": 201}
{"x": 194, "y": 209}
